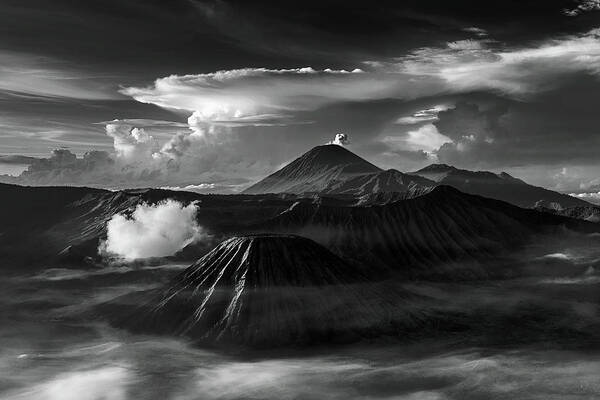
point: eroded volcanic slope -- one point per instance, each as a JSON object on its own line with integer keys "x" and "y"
{"x": 270, "y": 290}
{"x": 419, "y": 237}
{"x": 40, "y": 222}
{"x": 314, "y": 171}
{"x": 45, "y": 226}
{"x": 415, "y": 237}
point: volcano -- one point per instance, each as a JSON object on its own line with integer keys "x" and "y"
{"x": 268, "y": 290}
{"x": 314, "y": 171}
{"x": 500, "y": 186}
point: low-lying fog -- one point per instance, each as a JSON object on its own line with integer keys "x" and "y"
{"x": 48, "y": 350}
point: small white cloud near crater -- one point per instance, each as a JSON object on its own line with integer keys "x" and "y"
{"x": 157, "y": 230}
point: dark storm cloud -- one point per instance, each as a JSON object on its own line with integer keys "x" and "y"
{"x": 324, "y": 30}
{"x": 141, "y": 40}
{"x": 556, "y": 127}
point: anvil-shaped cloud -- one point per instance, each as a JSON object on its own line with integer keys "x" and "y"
{"x": 261, "y": 96}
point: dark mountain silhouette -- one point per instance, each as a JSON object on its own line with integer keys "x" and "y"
{"x": 496, "y": 186}
{"x": 425, "y": 236}
{"x": 314, "y": 171}
{"x": 270, "y": 290}
{"x": 39, "y": 223}
{"x": 415, "y": 237}
{"x": 65, "y": 224}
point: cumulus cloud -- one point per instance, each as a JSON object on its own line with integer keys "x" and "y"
{"x": 131, "y": 144}
{"x": 340, "y": 139}
{"x": 154, "y": 154}
{"x": 152, "y": 231}
{"x": 63, "y": 166}
{"x": 425, "y": 138}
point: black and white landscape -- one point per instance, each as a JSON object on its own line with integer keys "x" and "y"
{"x": 317, "y": 200}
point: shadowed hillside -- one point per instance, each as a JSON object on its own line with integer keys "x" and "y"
{"x": 271, "y": 290}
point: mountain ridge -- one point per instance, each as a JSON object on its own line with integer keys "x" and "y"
{"x": 412, "y": 237}
{"x": 334, "y": 170}
{"x": 501, "y": 186}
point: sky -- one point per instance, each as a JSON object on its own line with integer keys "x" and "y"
{"x": 213, "y": 95}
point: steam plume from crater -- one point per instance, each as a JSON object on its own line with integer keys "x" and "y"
{"x": 158, "y": 230}
{"x": 340, "y": 139}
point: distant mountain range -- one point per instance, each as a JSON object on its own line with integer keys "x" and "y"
{"x": 334, "y": 170}
{"x": 398, "y": 223}
{"x": 496, "y": 186}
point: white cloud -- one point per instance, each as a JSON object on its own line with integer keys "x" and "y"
{"x": 473, "y": 65}
{"x": 206, "y": 188}
{"x": 152, "y": 231}
{"x": 426, "y": 115}
{"x": 426, "y": 138}
{"x": 467, "y": 44}
{"x": 203, "y": 151}
{"x": 340, "y": 139}
{"x": 260, "y": 96}
{"x": 131, "y": 143}
{"x": 477, "y": 31}
{"x": 583, "y": 7}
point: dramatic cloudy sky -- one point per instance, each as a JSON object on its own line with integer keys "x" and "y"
{"x": 211, "y": 95}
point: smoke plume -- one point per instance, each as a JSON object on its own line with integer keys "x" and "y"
{"x": 340, "y": 139}
{"x": 152, "y": 231}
